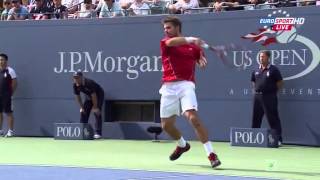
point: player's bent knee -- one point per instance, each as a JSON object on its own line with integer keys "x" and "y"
{"x": 191, "y": 114}
{"x": 194, "y": 120}
{"x": 166, "y": 126}
{"x": 167, "y": 123}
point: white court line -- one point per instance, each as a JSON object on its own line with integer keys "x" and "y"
{"x": 161, "y": 177}
{"x": 183, "y": 174}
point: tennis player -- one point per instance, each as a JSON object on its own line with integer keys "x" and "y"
{"x": 179, "y": 57}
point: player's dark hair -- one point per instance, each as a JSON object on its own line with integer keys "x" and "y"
{"x": 174, "y": 20}
{"x": 4, "y": 56}
{"x": 266, "y": 52}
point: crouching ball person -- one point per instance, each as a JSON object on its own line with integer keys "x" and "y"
{"x": 179, "y": 57}
{"x": 94, "y": 98}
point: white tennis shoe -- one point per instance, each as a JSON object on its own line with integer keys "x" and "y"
{"x": 9, "y": 133}
{"x": 97, "y": 136}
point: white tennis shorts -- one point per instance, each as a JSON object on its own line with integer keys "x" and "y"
{"x": 177, "y": 96}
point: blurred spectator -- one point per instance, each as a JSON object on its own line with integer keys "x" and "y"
{"x": 158, "y": 6}
{"x": 110, "y": 8}
{"x": 40, "y": 10}
{"x": 1, "y": 5}
{"x": 18, "y": 12}
{"x": 25, "y": 3}
{"x": 234, "y": 4}
{"x": 125, "y": 4}
{"x": 305, "y": 3}
{"x": 98, "y": 4}
{"x": 5, "y": 12}
{"x": 285, "y": 3}
{"x": 253, "y": 4}
{"x": 269, "y": 4}
{"x": 49, "y": 4}
{"x": 229, "y": 5}
{"x": 140, "y": 8}
{"x": 218, "y": 5}
{"x": 59, "y": 11}
{"x": 203, "y": 3}
{"x": 182, "y": 5}
{"x": 156, "y": 3}
{"x": 150, "y": 2}
{"x": 86, "y": 10}
{"x": 72, "y": 5}
{"x": 46, "y": 3}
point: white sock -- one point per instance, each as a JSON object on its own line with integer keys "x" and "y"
{"x": 182, "y": 142}
{"x": 208, "y": 147}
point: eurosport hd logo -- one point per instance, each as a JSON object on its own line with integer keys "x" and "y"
{"x": 278, "y": 27}
{"x": 285, "y": 23}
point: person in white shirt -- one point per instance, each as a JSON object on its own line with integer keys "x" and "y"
{"x": 110, "y": 8}
{"x": 139, "y": 8}
{"x": 86, "y": 10}
{"x": 182, "y": 6}
{"x": 72, "y": 5}
{"x": 125, "y": 4}
{"x": 5, "y": 12}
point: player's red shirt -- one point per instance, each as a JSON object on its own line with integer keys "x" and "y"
{"x": 179, "y": 61}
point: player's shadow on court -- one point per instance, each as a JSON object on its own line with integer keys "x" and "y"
{"x": 255, "y": 170}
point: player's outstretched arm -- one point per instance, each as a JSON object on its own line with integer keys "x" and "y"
{"x": 177, "y": 41}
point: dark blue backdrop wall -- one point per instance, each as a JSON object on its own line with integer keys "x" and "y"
{"x": 122, "y": 54}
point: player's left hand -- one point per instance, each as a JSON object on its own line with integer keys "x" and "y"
{"x": 202, "y": 62}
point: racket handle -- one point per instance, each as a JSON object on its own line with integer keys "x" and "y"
{"x": 205, "y": 45}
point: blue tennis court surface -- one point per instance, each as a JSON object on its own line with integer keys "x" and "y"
{"x": 20, "y": 172}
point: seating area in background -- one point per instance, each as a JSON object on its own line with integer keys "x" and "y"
{"x": 71, "y": 9}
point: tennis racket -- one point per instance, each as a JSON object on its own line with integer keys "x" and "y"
{"x": 224, "y": 53}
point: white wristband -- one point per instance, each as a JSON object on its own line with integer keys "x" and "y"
{"x": 205, "y": 45}
{"x": 190, "y": 39}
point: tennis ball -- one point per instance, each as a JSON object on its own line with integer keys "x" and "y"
{"x": 270, "y": 165}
